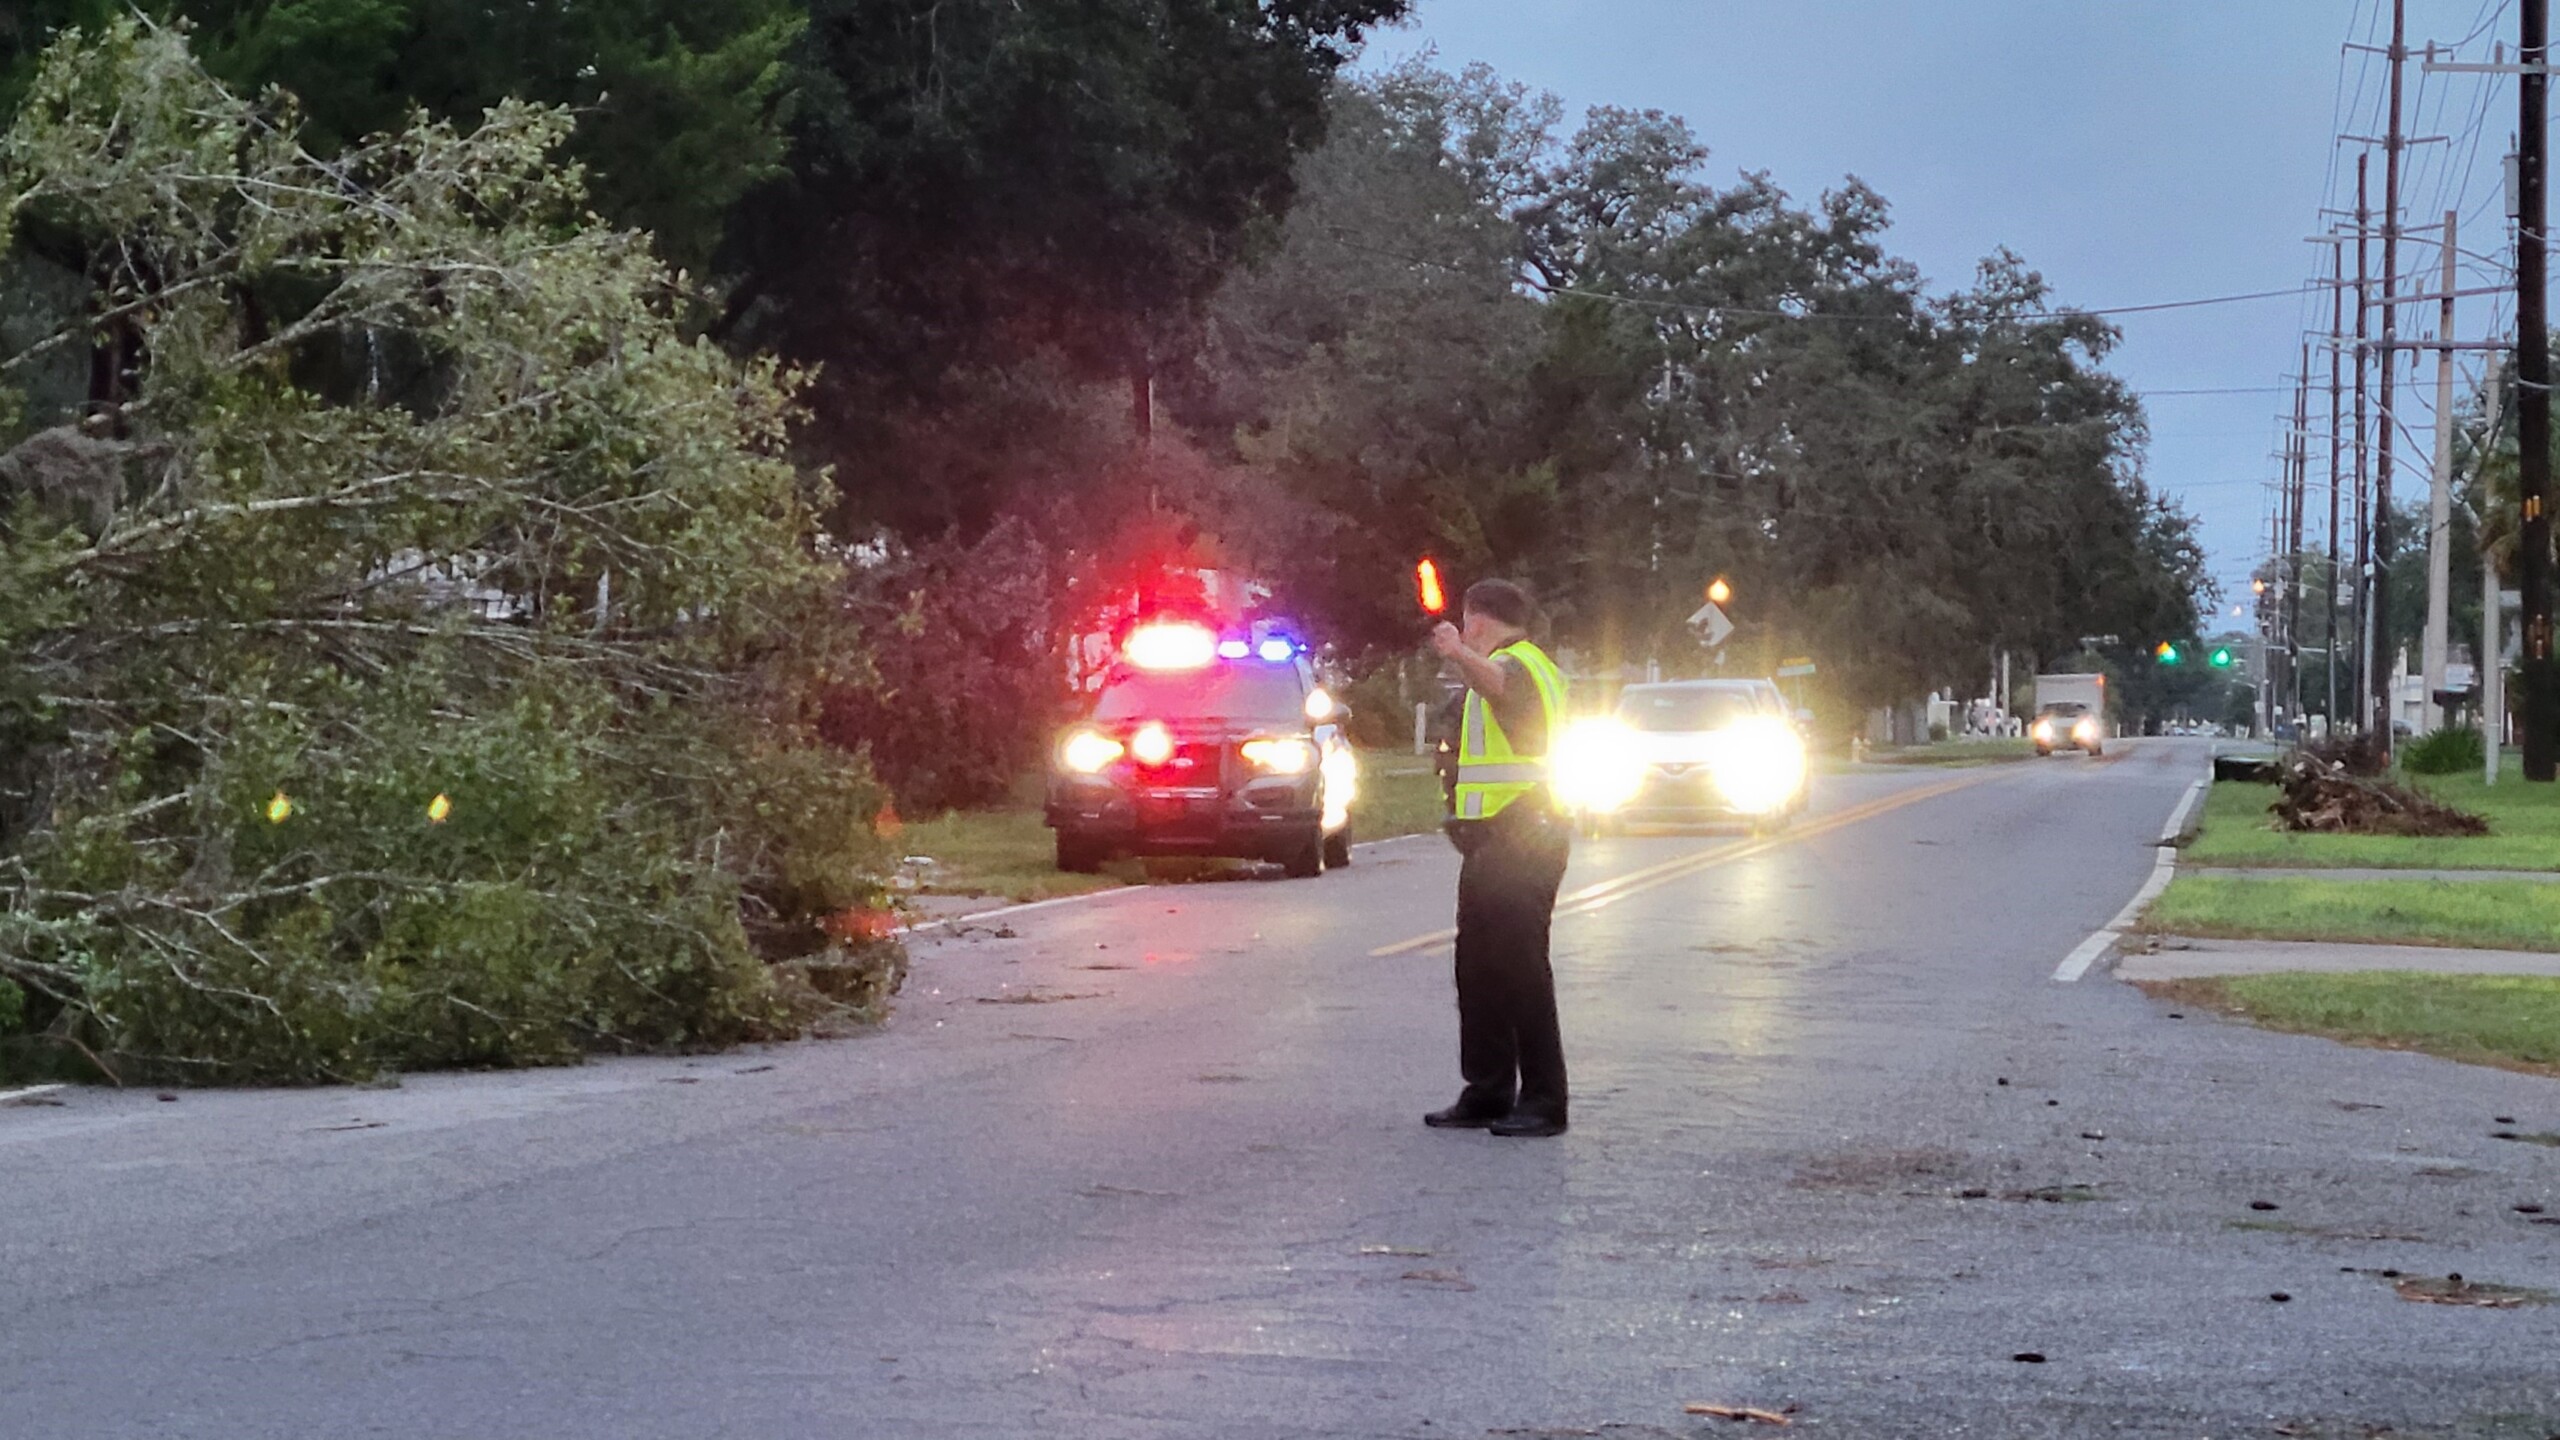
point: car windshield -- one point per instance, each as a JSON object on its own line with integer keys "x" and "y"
{"x": 1684, "y": 707}
{"x": 2065, "y": 709}
{"x": 1221, "y": 692}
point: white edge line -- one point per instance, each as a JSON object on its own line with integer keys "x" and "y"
{"x": 1027, "y": 906}
{"x": 30, "y": 1092}
{"x": 2164, "y": 864}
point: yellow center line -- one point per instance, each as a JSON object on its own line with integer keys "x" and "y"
{"x": 1608, "y": 892}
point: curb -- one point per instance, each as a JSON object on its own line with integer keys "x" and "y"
{"x": 2103, "y": 941}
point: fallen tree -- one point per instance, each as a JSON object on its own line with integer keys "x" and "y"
{"x": 430, "y": 679}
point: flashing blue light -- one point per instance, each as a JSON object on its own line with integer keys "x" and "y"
{"x": 1276, "y": 649}
{"x": 1233, "y": 649}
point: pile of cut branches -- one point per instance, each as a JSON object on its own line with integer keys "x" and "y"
{"x": 2327, "y": 797}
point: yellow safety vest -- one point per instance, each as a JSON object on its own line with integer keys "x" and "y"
{"x": 1490, "y": 773}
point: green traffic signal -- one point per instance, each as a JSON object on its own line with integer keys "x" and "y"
{"x": 2166, "y": 653}
{"x": 2220, "y": 659}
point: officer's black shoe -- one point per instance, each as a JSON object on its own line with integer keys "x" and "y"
{"x": 1528, "y": 1124}
{"x": 1466, "y": 1115}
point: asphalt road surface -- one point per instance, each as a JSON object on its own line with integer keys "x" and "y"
{"x": 1151, "y": 1165}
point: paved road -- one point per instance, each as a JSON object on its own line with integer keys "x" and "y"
{"x": 1150, "y": 1166}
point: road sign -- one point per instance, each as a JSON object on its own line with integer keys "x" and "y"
{"x": 1712, "y": 625}
{"x": 1791, "y": 669}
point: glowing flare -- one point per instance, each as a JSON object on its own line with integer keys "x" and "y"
{"x": 279, "y": 809}
{"x": 1426, "y": 579}
{"x": 1153, "y": 744}
{"x": 1320, "y": 705}
{"x": 1086, "y": 752}
{"x": 1718, "y": 591}
{"x": 438, "y": 809}
{"x": 1341, "y": 786}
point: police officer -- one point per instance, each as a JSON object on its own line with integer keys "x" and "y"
{"x": 1504, "y": 822}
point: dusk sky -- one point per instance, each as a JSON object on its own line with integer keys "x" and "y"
{"x": 2133, "y": 153}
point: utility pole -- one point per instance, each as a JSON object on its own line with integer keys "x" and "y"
{"x": 2293, "y": 542}
{"x": 2329, "y": 601}
{"x": 2533, "y": 396}
{"x": 2440, "y": 501}
{"x": 2364, "y": 526}
{"x": 2378, "y": 601}
{"x": 2493, "y": 612}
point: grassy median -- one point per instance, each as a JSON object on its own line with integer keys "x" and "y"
{"x": 1007, "y": 851}
{"x": 2481, "y": 914}
{"x": 2510, "y": 1021}
{"x": 2524, "y": 831}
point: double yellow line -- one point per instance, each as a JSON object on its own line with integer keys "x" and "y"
{"x": 1609, "y": 892}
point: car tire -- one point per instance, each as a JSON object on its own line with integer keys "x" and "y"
{"x": 2097, "y": 750}
{"x": 1080, "y": 856}
{"x": 1337, "y": 849}
{"x": 1774, "y": 823}
{"x": 2043, "y": 753}
{"x": 1306, "y": 861}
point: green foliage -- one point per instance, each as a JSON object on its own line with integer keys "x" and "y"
{"x": 2453, "y": 750}
{"x": 991, "y": 204}
{"x": 1718, "y": 382}
{"x": 425, "y": 496}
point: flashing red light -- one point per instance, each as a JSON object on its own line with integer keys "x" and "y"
{"x": 1426, "y": 579}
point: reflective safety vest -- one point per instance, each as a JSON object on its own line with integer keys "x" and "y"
{"x": 1490, "y": 773}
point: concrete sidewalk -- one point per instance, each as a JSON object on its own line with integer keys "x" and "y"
{"x": 2173, "y": 957}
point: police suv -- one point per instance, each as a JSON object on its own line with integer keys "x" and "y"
{"x": 1203, "y": 742}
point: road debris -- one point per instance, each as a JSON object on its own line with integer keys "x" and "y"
{"x": 1401, "y": 1251}
{"x": 1445, "y": 1279}
{"x": 2326, "y": 799}
{"x": 1749, "y": 1413}
{"x": 2029, "y": 1357}
{"x": 2454, "y": 1290}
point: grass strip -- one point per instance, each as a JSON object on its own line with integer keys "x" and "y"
{"x": 2508, "y": 1021}
{"x": 2524, "y": 832}
{"x": 2474, "y": 914}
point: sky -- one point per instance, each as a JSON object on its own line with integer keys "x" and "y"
{"x": 2134, "y": 153}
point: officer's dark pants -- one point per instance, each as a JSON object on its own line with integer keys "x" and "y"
{"x": 1509, "y": 1049}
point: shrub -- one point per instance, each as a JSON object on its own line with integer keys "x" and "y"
{"x": 1937, "y": 732}
{"x": 2449, "y": 751}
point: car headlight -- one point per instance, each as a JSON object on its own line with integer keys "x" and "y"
{"x": 1596, "y": 766}
{"x": 2087, "y": 729}
{"x": 1087, "y": 751}
{"x": 2044, "y": 732}
{"x": 1760, "y": 765}
{"x": 1289, "y": 756}
{"x": 1153, "y": 744}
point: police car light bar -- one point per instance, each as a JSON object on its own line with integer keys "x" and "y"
{"x": 1170, "y": 647}
{"x": 1233, "y": 649}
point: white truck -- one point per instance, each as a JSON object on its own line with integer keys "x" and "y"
{"x": 2071, "y": 714}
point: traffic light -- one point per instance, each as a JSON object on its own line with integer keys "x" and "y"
{"x": 2166, "y": 652}
{"x": 2220, "y": 659}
